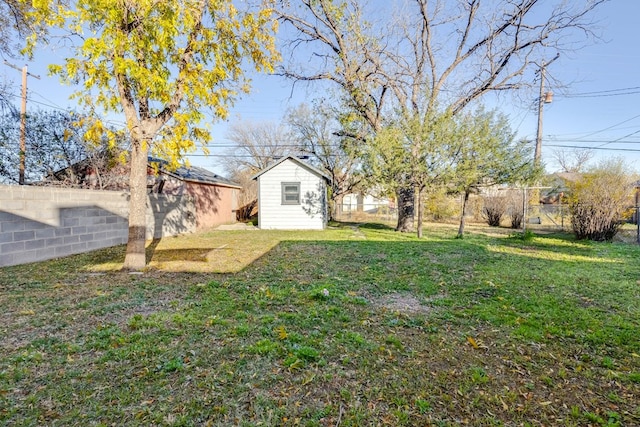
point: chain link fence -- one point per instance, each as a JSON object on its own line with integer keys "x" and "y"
{"x": 552, "y": 217}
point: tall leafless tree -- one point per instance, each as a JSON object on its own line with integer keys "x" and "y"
{"x": 14, "y": 23}
{"x": 255, "y": 146}
{"x": 574, "y": 160}
{"x": 317, "y": 129}
{"x": 418, "y": 55}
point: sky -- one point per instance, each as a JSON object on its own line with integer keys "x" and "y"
{"x": 598, "y": 107}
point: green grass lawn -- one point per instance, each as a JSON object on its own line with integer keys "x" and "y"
{"x": 347, "y": 327}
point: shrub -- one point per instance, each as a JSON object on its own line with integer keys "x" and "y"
{"x": 599, "y": 200}
{"x": 493, "y": 209}
{"x": 514, "y": 208}
{"x": 442, "y": 206}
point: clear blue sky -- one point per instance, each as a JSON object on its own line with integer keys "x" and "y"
{"x": 600, "y": 107}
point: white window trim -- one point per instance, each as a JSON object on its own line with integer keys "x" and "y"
{"x": 290, "y": 184}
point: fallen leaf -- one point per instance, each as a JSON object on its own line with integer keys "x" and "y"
{"x": 282, "y": 332}
{"x": 473, "y": 342}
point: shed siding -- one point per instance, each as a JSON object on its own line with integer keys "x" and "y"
{"x": 309, "y": 214}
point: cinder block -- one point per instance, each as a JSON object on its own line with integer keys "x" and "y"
{"x": 86, "y": 237}
{"x": 71, "y": 239}
{"x": 12, "y": 226}
{"x": 96, "y": 244}
{"x": 70, "y": 222}
{"x": 13, "y": 205}
{"x": 79, "y": 230}
{"x": 45, "y": 233}
{"x": 46, "y": 253}
{"x": 26, "y": 257}
{"x": 6, "y": 237}
{"x": 95, "y": 220}
{"x": 6, "y": 260}
{"x": 23, "y": 235}
{"x": 68, "y": 213}
{"x": 78, "y": 248}
{"x": 63, "y": 231}
{"x": 6, "y": 248}
{"x": 6, "y": 216}
{"x": 101, "y": 235}
{"x": 37, "y": 225}
{"x": 62, "y": 251}
{"x": 51, "y": 243}
{"x": 34, "y": 244}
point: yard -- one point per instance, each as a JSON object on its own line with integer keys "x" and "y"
{"x": 356, "y": 325}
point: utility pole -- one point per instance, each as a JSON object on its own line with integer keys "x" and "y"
{"x": 545, "y": 98}
{"x": 23, "y": 118}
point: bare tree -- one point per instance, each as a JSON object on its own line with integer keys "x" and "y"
{"x": 57, "y": 152}
{"x": 14, "y": 21}
{"x": 317, "y": 129}
{"x": 573, "y": 160}
{"x": 427, "y": 54}
{"x": 255, "y": 146}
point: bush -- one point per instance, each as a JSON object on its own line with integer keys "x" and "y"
{"x": 493, "y": 210}
{"x": 599, "y": 200}
{"x": 514, "y": 208}
{"x": 442, "y": 206}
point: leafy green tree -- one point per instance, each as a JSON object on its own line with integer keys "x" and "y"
{"x": 487, "y": 155}
{"x": 416, "y": 151}
{"x": 161, "y": 64}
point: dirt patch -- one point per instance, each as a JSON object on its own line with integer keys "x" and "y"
{"x": 403, "y": 303}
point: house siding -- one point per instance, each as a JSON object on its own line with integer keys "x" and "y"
{"x": 311, "y": 213}
{"x": 215, "y": 205}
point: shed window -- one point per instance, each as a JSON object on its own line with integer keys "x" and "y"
{"x": 290, "y": 193}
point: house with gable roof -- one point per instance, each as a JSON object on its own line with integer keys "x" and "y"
{"x": 292, "y": 195}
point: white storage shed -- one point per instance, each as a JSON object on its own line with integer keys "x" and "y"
{"x": 292, "y": 195}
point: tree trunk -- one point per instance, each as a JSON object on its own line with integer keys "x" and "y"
{"x": 336, "y": 211}
{"x": 464, "y": 208}
{"x": 135, "y": 257}
{"x": 405, "y": 209}
{"x": 420, "y": 213}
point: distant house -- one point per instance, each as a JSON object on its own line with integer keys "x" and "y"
{"x": 292, "y": 195}
{"x": 215, "y": 197}
{"x": 359, "y": 202}
{"x": 557, "y": 184}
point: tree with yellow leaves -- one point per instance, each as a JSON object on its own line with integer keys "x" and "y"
{"x": 162, "y": 64}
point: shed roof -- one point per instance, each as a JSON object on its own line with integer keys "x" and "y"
{"x": 296, "y": 160}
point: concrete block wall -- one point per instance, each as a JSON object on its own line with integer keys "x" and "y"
{"x": 40, "y": 223}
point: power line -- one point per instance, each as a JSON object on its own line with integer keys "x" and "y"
{"x": 632, "y": 150}
{"x": 621, "y": 138}
{"x": 610, "y": 127}
{"x": 595, "y": 141}
{"x": 604, "y": 92}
